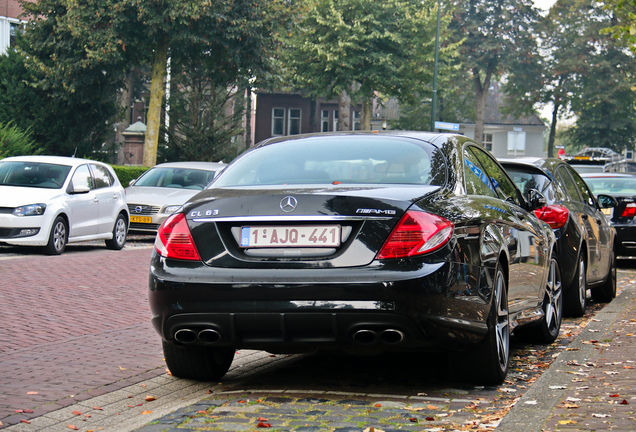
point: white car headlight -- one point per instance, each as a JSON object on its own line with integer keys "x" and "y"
{"x": 30, "y": 210}
{"x": 171, "y": 209}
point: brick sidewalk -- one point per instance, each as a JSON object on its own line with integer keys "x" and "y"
{"x": 74, "y": 326}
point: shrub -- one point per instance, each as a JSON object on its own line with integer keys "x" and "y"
{"x": 128, "y": 173}
{"x": 15, "y": 141}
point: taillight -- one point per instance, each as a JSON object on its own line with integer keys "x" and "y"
{"x": 417, "y": 233}
{"x": 629, "y": 211}
{"x": 174, "y": 239}
{"x": 554, "y": 215}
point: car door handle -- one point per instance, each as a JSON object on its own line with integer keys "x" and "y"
{"x": 95, "y": 199}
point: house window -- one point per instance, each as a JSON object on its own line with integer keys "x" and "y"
{"x": 516, "y": 143}
{"x": 487, "y": 141}
{"x": 278, "y": 121}
{"x": 293, "y": 124}
{"x": 335, "y": 120}
{"x": 324, "y": 120}
{"x": 356, "y": 120}
{"x": 13, "y": 33}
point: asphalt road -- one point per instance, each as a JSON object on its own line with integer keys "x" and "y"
{"x": 77, "y": 326}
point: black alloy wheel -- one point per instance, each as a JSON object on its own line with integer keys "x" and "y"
{"x": 606, "y": 292}
{"x": 575, "y": 297}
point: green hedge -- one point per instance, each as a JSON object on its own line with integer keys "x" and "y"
{"x": 128, "y": 173}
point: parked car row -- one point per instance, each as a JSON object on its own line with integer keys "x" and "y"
{"x": 374, "y": 242}
{"x": 51, "y": 201}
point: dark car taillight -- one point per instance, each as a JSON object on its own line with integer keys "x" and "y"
{"x": 174, "y": 239}
{"x": 417, "y": 233}
{"x": 554, "y": 215}
{"x": 629, "y": 211}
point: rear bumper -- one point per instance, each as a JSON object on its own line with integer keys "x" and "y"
{"x": 432, "y": 306}
{"x": 626, "y": 241}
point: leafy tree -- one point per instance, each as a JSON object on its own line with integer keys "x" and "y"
{"x": 498, "y": 37}
{"x": 355, "y": 48}
{"x": 624, "y": 26}
{"x": 92, "y": 37}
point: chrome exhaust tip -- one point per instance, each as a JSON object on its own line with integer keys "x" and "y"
{"x": 209, "y": 336}
{"x": 365, "y": 337}
{"x": 185, "y": 336}
{"x": 391, "y": 336}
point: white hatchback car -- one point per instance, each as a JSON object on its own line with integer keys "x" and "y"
{"x": 163, "y": 189}
{"x": 52, "y": 200}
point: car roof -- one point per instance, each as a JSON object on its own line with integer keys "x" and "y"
{"x": 59, "y": 160}
{"x": 207, "y": 166}
{"x": 421, "y": 135}
{"x": 608, "y": 174}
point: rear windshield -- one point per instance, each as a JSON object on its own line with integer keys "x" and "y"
{"x": 612, "y": 185}
{"x": 338, "y": 160}
{"x": 527, "y": 179}
{"x": 33, "y": 174}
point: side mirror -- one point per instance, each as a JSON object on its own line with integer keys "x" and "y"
{"x": 536, "y": 199}
{"x": 606, "y": 201}
{"x": 78, "y": 190}
{"x": 132, "y": 182}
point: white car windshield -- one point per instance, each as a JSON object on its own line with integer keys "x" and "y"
{"x": 176, "y": 178}
{"x": 33, "y": 174}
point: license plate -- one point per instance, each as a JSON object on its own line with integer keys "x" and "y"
{"x": 607, "y": 211}
{"x": 141, "y": 219}
{"x": 290, "y": 236}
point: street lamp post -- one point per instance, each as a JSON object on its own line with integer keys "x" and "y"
{"x": 434, "y": 99}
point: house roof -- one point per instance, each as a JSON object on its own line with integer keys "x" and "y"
{"x": 493, "y": 115}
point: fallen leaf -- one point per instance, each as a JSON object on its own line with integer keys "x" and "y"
{"x": 202, "y": 412}
{"x": 532, "y": 402}
{"x": 601, "y": 415}
{"x": 372, "y": 429}
{"x": 98, "y": 408}
{"x": 260, "y": 419}
{"x": 28, "y": 411}
{"x": 77, "y": 412}
{"x": 25, "y": 421}
{"x": 566, "y": 422}
{"x": 615, "y": 395}
{"x": 32, "y": 393}
{"x": 624, "y": 402}
{"x": 122, "y": 368}
{"x": 377, "y": 405}
{"x": 413, "y": 419}
{"x": 572, "y": 399}
{"x": 150, "y": 398}
{"x": 558, "y": 387}
{"x": 432, "y": 407}
{"x": 72, "y": 427}
{"x": 146, "y": 412}
{"x": 264, "y": 425}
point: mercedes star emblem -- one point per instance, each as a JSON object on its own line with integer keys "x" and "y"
{"x": 288, "y": 204}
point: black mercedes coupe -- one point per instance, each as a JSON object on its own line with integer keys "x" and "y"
{"x": 363, "y": 242}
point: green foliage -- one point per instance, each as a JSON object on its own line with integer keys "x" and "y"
{"x": 361, "y": 47}
{"x": 127, "y": 173}
{"x": 15, "y": 141}
{"x": 624, "y": 25}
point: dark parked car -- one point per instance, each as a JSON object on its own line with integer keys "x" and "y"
{"x": 623, "y": 188}
{"x": 358, "y": 242}
{"x": 585, "y": 239}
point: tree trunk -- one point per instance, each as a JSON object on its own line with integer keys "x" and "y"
{"x": 344, "y": 108}
{"x": 248, "y": 116}
{"x": 553, "y": 125}
{"x": 367, "y": 114}
{"x": 481, "y": 94}
{"x": 157, "y": 92}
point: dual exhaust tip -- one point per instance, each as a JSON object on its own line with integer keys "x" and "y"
{"x": 206, "y": 336}
{"x": 363, "y": 337}
{"x": 369, "y": 337}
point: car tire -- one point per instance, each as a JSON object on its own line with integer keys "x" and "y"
{"x": 119, "y": 234}
{"x": 606, "y": 292}
{"x": 547, "y": 330}
{"x": 575, "y": 297}
{"x": 58, "y": 237}
{"x": 493, "y": 353}
{"x": 197, "y": 362}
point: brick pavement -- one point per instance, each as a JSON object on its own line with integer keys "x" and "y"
{"x": 74, "y": 326}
